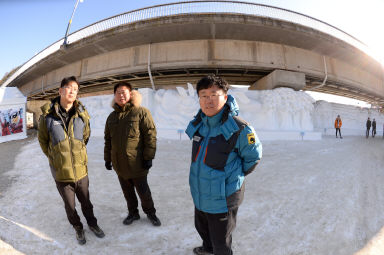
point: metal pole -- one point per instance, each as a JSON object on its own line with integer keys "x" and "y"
{"x": 69, "y": 24}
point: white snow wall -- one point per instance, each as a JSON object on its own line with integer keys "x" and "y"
{"x": 281, "y": 109}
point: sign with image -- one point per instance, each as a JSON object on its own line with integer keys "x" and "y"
{"x": 11, "y": 121}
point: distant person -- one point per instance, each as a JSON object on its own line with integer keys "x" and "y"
{"x": 63, "y": 135}
{"x": 373, "y": 127}
{"x": 130, "y": 147}
{"x": 225, "y": 149}
{"x": 368, "y": 124}
{"x": 338, "y": 124}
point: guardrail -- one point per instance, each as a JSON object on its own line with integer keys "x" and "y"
{"x": 193, "y": 7}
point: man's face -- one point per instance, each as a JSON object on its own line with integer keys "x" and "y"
{"x": 212, "y": 100}
{"x": 122, "y": 95}
{"x": 68, "y": 93}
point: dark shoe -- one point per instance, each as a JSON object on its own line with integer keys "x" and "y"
{"x": 80, "y": 236}
{"x": 130, "y": 218}
{"x": 154, "y": 220}
{"x": 97, "y": 231}
{"x": 200, "y": 251}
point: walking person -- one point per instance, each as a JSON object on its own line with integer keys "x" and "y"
{"x": 368, "y": 124}
{"x": 373, "y": 127}
{"x": 64, "y": 132}
{"x": 225, "y": 149}
{"x": 338, "y": 124}
{"x": 130, "y": 147}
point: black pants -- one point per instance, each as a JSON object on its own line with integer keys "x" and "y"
{"x": 141, "y": 184}
{"x": 367, "y": 132}
{"x": 338, "y": 129}
{"x": 373, "y": 132}
{"x": 67, "y": 191}
{"x": 216, "y": 230}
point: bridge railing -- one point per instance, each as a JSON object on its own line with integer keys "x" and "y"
{"x": 194, "y": 7}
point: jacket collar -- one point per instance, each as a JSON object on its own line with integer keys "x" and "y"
{"x": 224, "y": 118}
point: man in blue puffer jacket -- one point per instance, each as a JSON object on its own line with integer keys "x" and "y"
{"x": 225, "y": 149}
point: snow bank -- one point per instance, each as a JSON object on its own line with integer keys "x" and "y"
{"x": 279, "y": 114}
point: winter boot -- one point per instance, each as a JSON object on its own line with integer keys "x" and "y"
{"x": 154, "y": 220}
{"x": 201, "y": 251}
{"x": 130, "y": 218}
{"x": 80, "y": 236}
{"x": 97, "y": 231}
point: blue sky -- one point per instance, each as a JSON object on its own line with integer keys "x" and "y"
{"x": 28, "y": 26}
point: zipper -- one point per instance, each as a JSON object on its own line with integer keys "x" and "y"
{"x": 70, "y": 143}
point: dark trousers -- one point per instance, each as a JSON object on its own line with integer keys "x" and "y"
{"x": 373, "y": 132}
{"x": 338, "y": 129}
{"x": 67, "y": 192}
{"x": 141, "y": 184}
{"x": 367, "y": 132}
{"x": 216, "y": 230}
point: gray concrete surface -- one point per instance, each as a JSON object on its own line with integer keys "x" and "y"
{"x": 8, "y": 153}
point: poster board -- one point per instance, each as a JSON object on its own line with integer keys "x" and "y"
{"x": 12, "y": 114}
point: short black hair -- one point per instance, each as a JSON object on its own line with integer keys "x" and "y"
{"x": 67, "y": 80}
{"x": 211, "y": 80}
{"x": 122, "y": 84}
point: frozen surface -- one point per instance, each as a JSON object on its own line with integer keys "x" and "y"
{"x": 306, "y": 197}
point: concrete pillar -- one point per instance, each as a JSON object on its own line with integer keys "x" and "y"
{"x": 34, "y": 107}
{"x": 280, "y": 78}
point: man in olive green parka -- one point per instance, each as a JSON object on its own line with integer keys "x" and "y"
{"x": 64, "y": 131}
{"x": 130, "y": 146}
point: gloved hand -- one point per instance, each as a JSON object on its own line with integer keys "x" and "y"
{"x": 147, "y": 164}
{"x": 108, "y": 165}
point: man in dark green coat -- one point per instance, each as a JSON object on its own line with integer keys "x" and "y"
{"x": 63, "y": 134}
{"x": 130, "y": 146}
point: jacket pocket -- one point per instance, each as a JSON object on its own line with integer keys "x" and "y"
{"x": 218, "y": 189}
{"x": 132, "y": 129}
{"x": 218, "y": 150}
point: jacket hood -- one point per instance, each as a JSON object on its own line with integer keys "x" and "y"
{"x": 233, "y": 106}
{"x": 135, "y": 101}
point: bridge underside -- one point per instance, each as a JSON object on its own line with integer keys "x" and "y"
{"x": 180, "y": 77}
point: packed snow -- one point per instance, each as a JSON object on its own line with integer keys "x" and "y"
{"x": 306, "y": 197}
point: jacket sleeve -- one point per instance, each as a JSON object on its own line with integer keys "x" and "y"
{"x": 107, "y": 143}
{"x": 87, "y": 128}
{"x": 43, "y": 135}
{"x": 148, "y": 131}
{"x": 250, "y": 149}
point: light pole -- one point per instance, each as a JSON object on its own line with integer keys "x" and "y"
{"x": 69, "y": 23}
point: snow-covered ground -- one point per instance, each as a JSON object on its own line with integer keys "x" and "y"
{"x": 306, "y": 197}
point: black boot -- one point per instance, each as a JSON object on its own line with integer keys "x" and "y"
{"x": 154, "y": 220}
{"x": 201, "y": 251}
{"x": 97, "y": 231}
{"x": 130, "y": 218}
{"x": 80, "y": 236}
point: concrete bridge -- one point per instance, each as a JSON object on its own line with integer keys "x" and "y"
{"x": 257, "y": 45}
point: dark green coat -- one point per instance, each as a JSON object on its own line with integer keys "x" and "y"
{"x": 66, "y": 149}
{"x": 130, "y": 138}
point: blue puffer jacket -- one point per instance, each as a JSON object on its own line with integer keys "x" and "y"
{"x": 224, "y": 150}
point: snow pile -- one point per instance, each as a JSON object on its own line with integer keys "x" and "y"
{"x": 275, "y": 114}
{"x": 353, "y": 117}
{"x": 281, "y": 109}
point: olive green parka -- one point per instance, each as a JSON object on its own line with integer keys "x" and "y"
{"x": 130, "y": 138}
{"x": 66, "y": 149}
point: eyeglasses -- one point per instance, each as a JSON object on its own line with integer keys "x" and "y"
{"x": 213, "y": 97}
{"x": 71, "y": 88}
